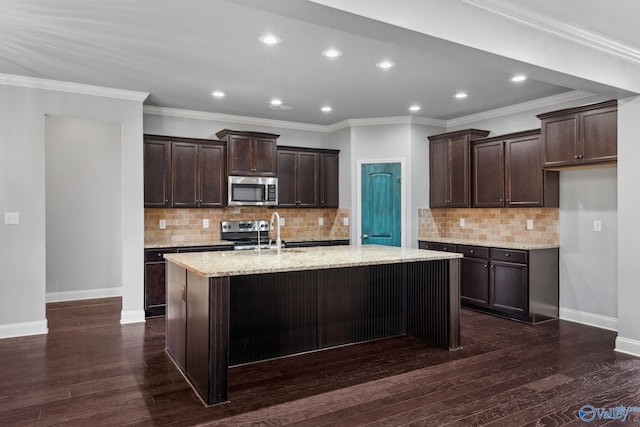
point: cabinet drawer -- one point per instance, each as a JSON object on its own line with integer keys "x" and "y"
{"x": 445, "y": 247}
{"x": 473, "y": 251}
{"x": 155, "y": 255}
{"x": 509, "y": 255}
{"x": 206, "y": 248}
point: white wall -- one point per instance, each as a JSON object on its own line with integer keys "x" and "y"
{"x": 83, "y": 164}
{"x": 588, "y": 259}
{"x": 22, "y": 189}
{"x": 628, "y": 227}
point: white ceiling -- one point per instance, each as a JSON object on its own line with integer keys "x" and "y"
{"x": 180, "y": 51}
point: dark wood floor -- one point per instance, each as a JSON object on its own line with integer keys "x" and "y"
{"x": 89, "y": 371}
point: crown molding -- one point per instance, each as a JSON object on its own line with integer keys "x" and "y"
{"x": 78, "y": 88}
{"x": 562, "y": 29}
{"x": 228, "y": 118}
{"x": 519, "y": 108}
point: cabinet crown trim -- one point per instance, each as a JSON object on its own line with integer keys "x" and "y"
{"x": 514, "y": 135}
{"x": 574, "y": 110}
{"x": 472, "y": 132}
{"x": 225, "y": 132}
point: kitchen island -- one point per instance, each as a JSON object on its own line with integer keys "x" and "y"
{"x": 230, "y": 308}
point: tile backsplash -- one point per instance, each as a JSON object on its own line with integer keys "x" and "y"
{"x": 495, "y": 225}
{"x": 185, "y": 225}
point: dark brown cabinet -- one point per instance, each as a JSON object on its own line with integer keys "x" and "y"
{"x": 307, "y": 178}
{"x": 155, "y": 298}
{"x": 184, "y": 172}
{"x": 507, "y": 172}
{"x": 579, "y": 136}
{"x": 519, "y": 284}
{"x": 197, "y": 175}
{"x": 329, "y": 183}
{"x": 157, "y": 173}
{"x": 449, "y": 168}
{"x": 250, "y": 153}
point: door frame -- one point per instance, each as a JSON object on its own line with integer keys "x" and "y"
{"x": 403, "y": 189}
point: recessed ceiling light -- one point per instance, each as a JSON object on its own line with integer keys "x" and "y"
{"x": 332, "y": 53}
{"x": 385, "y": 65}
{"x": 270, "y": 39}
{"x": 276, "y": 102}
{"x": 518, "y": 78}
{"x": 461, "y": 95}
{"x": 218, "y": 94}
{"x": 414, "y": 108}
{"x": 326, "y": 109}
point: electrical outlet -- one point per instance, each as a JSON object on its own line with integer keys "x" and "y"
{"x": 281, "y": 222}
{"x": 320, "y": 221}
{"x": 597, "y": 225}
{"x": 12, "y": 218}
{"x": 163, "y": 224}
{"x": 345, "y": 221}
{"x": 461, "y": 222}
{"x": 205, "y": 223}
{"x": 529, "y": 224}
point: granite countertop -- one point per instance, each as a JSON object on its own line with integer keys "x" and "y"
{"x": 490, "y": 244}
{"x": 186, "y": 244}
{"x": 237, "y": 263}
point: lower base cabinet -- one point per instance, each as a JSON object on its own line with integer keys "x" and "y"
{"x": 519, "y": 284}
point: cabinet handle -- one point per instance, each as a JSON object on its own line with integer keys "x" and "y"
{"x": 507, "y": 254}
{"x": 501, "y": 200}
{"x": 184, "y": 294}
{"x": 485, "y": 265}
{"x": 471, "y": 251}
{"x": 444, "y": 248}
{"x": 492, "y": 266}
{"x": 581, "y": 156}
{"x": 576, "y": 156}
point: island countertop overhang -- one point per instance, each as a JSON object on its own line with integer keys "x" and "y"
{"x": 237, "y": 263}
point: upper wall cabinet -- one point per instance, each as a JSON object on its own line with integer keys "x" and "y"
{"x": 250, "y": 153}
{"x": 580, "y": 136}
{"x": 449, "y": 168}
{"x": 507, "y": 172}
{"x": 184, "y": 172}
{"x": 307, "y": 177}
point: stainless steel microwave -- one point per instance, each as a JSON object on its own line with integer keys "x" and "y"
{"x": 253, "y": 191}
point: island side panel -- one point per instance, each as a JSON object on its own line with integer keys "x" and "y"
{"x": 176, "y": 321}
{"x": 207, "y": 336}
{"x": 432, "y": 307}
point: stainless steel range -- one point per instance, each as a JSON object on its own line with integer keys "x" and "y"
{"x": 246, "y": 235}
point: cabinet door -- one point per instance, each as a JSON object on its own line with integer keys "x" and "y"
{"x": 523, "y": 172}
{"x": 509, "y": 288}
{"x": 287, "y": 178}
{"x": 157, "y": 166}
{"x": 154, "y": 288}
{"x": 438, "y": 174}
{"x": 264, "y": 157}
{"x": 307, "y": 176}
{"x": 599, "y": 135}
{"x": 329, "y": 184}
{"x": 488, "y": 175}
{"x": 458, "y": 173}
{"x": 211, "y": 175}
{"x": 474, "y": 281}
{"x": 184, "y": 179}
{"x": 240, "y": 160}
{"x": 560, "y": 140}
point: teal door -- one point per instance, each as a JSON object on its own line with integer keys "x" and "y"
{"x": 381, "y": 204}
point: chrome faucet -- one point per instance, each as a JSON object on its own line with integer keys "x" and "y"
{"x": 278, "y": 241}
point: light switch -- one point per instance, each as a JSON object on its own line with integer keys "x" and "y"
{"x": 320, "y": 221}
{"x": 597, "y": 225}
{"x": 461, "y": 222}
{"x": 281, "y": 222}
{"x": 345, "y": 221}
{"x": 163, "y": 224}
{"x": 529, "y": 224}
{"x": 12, "y": 218}
{"x": 205, "y": 223}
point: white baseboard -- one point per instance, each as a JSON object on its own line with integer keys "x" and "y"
{"x": 84, "y": 294}
{"x": 628, "y": 346}
{"x": 23, "y": 329}
{"x": 597, "y": 320}
{"x": 131, "y": 316}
